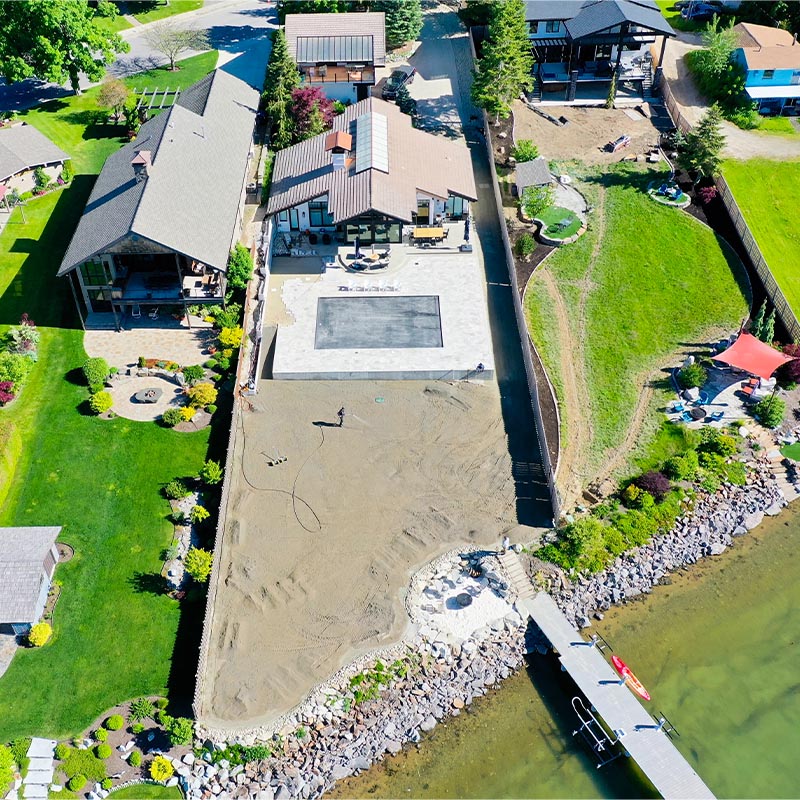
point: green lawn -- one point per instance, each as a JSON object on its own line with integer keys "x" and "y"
{"x": 152, "y": 10}
{"x": 553, "y": 216}
{"x": 768, "y": 194}
{"x": 101, "y": 480}
{"x": 673, "y": 16}
{"x": 78, "y": 125}
{"x": 147, "y": 791}
{"x": 114, "y": 24}
{"x": 660, "y": 280}
{"x": 777, "y": 126}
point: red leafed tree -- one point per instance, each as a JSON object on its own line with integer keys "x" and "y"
{"x": 312, "y": 112}
{"x": 790, "y": 372}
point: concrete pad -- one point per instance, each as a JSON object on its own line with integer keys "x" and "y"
{"x": 41, "y": 748}
{"x": 124, "y": 389}
{"x": 44, "y": 777}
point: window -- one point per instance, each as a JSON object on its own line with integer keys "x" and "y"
{"x": 318, "y": 214}
{"x": 533, "y": 28}
{"x": 795, "y": 79}
{"x": 553, "y": 27}
{"x": 283, "y": 216}
{"x": 94, "y": 274}
{"x": 769, "y": 74}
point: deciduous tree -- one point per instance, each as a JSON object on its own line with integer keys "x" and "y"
{"x": 113, "y": 94}
{"x": 403, "y": 20}
{"x": 171, "y": 39}
{"x": 56, "y": 40}
{"x": 505, "y": 67}
{"x": 312, "y": 112}
{"x": 536, "y": 199}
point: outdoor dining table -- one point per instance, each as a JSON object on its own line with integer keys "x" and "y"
{"x": 429, "y": 234}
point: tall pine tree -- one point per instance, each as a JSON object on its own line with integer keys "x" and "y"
{"x": 768, "y": 329}
{"x": 505, "y": 69}
{"x": 702, "y": 146}
{"x": 403, "y": 20}
{"x": 281, "y": 78}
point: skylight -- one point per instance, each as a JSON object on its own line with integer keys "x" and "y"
{"x": 372, "y": 142}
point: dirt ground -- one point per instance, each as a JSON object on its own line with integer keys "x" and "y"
{"x": 318, "y": 549}
{"x": 586, "y": 135}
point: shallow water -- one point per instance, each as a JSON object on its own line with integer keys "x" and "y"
{"x": 718, "y": 651}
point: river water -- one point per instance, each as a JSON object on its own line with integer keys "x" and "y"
{"x": 719, "y": 651}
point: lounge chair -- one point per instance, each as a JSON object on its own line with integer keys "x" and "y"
{"x": 702, "y": 399}
{"x": 687, "y": 417}
{"x": 676, "y": 407}
{"x": 717, "y": 416}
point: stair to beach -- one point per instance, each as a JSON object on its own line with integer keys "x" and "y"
{"x": 517, "y": 578}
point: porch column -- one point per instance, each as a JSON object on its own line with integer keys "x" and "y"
{"x": 70, "y": 278}
{"x": 660, "y": 68}
{"x": 180, "y": 289}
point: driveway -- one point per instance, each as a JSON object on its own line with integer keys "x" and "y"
{"x": 738, "y": 143}
{"x": 239, "y": 29}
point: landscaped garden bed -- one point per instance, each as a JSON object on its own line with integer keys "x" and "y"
{"x": 558, "y": 226}
{"x": 668, "y": 194}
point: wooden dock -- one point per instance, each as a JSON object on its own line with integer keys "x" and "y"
{"x": 638, "y": 734}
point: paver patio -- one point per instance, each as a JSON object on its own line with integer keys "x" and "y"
{"x": 125, "y": 405}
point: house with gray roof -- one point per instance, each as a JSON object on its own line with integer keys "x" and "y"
{"x": 23, "y": 148}
{"x": 580, "y": 45}
{"x": 338, "y": 52}
{"x": 370, "y": 175}
{"x": 28, "y": 558}
{"x": 531, "y": 173}
{"x": 166, "y": 209}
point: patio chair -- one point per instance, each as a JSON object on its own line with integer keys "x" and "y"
{"x": 687, "y": 417}
{"x": 717, "y": 416}
{"x": 702, "y": 399}
{"x": 154, "y": 313}
{"x": 136, "y": 312}
{"x": 676, "y": 407}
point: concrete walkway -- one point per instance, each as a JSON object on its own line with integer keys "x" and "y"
{"x": 125, "y": 405}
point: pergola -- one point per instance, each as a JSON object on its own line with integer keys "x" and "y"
{"x": 754, "y": 356}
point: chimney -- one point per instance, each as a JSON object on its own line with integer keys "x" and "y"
{"x": 339, "y": 145}
{"x": 794, "y": 40}
{"x": 142, "y": 165}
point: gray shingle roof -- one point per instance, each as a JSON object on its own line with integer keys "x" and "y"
{"x": 416, "y": 161}
{"x": 601, "y": 15}
{"x": 353, "y": 25}
{"x": 22, "y": 554}
{"x": 189, "y": 203}
{"x": 541, "y": 10}
{"x": 24, "y": 147}
{"x": 532, "y": 173}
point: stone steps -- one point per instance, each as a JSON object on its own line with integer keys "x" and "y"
{"x": 516, "y": 575}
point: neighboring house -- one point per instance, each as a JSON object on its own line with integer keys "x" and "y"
{"x": 28, "y": 558}
{"x": 579, "y": 45}
{"x": 771, "y": 60}
{"x": 22, "y": 149}
{"x": 338, "y": 52}
{"x": 532, "y": 173}
{"x": 167, "y": 208}
{"x": 373, "y": 173}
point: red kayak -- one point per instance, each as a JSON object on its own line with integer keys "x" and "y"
{"x": 633, "y": 682}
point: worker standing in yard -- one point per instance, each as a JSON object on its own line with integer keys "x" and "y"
{"x": 340, "y": 414}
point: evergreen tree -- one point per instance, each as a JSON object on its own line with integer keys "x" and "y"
{"x": 768, "y": 330}
{"x": 505, "y": 69}
{"x": 405, "y": 102}
{"x": 403, "y": 20}
{"x": 280, "y": 80}
{"x": 757, "y": 323}
{"x": 700, "y": 149}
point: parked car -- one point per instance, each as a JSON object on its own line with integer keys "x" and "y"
{"x": 402, "y": 76}
{"x": 700, "y": 12}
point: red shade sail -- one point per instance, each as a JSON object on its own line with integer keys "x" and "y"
{"x": 753, "y": 356}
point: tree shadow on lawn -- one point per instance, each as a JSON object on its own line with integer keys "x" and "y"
{"x": 35, "y": 289}
{"x": 95, "y": 124}
{"x": 148, "y": 583}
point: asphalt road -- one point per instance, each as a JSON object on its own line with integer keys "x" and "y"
{"x": 239, "y": 29}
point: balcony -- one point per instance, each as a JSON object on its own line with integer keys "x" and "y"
{"x": 154, "y": 288}
{"x": 337, "y": 74}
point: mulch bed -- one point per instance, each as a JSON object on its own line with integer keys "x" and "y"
{"x": 65, "y": 552}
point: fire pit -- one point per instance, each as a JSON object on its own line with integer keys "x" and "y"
{"x": 149, "y": 395}
{"x": 464, "y": 599}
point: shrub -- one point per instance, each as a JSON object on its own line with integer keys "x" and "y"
{"x": 712, "y": 441}
{"x": 536, "y": 199}
{"x": 187, "y": 413}
{"x": 19, "y": 752}
{"x": 179, "y": 729}
{"x": 682, "y": 468}
{"x": 67, "y": 172}
{"x": 62, "y": 751}
{"x": 211, "y": 473}
{"x": 630, "y": 495}
{"x": 525, "y": 245}
{"x": 707, "y": 194}
{"x": 171, "y": 417}
{"x": 96, "y": 370}
{"x": 135, "y": 759}
{"x": 161, "y": 769}
{"x": 6, "y": 768}
{"x": 240, "y": 267}
{"x": 636, "y": 527}
{"x": 736, "y": 473}
{"x": 95, "y": 388}
{"x": 198, "y": 514}
{"x": 613, "y": 541}
{"x": 655, "y": 483}
{"x": 76, "y": 783}
{"x": 223, "y": 364}
{"x": 202, "y": 394}
{"x": 103, "y": 751}
{"x": 101, "y": 402}
{"x": 198, "y": 564}
{"x": 770, "y": 411}
{"x": 14, "y": 369}
{"x": 211, "y": 408}
{"x": 524, "y": 150}
{"x": 691, "y": 376}
{"x": 137, "y": 728}
{"x": 6, "y": 392}
{"x": 84, "y": 762}
{"x": 106, "y": 784}
{"x": 142, "y": 361}
{"x": 142, "y": 708}
{"x": 115, "y": 722}
{"x": 228, "y": 317}
{"x": 193, "y": 373}
{"x": 101, "y": 734}
{"x": 176, "y": 489}
{"x": 162, "y": 703}
{"x": 40, "y": 634}
{"x": 230, "y": 337}
{"x": 211, "y": 363}
{"x": 666, "y": 512}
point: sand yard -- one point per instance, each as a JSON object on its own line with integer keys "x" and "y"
{"x": 318, "y": 549}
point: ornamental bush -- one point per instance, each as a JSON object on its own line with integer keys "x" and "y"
{"x": 770, "y": 411}
{"x": 115, "y": 722}
{"x": 230, "y": 337}
{"x": 175, "y": 490}
{"x": 187, "y": 413}
{"x": 14, "y": 368}
{"x": 6, "y": 392}
{"x": 713, "y": 441}
{"x": 198, "y": 564}
{"x": 228, "y": 317}
{"x": 76, "y": 783}
{"x": 682, "y": 468}
{"x": 198, "y": 514}
{"x": 96, "y": 370}
{"x": 202, "y": 394}
{"x": 524, "y": 150}
{"x": 162, "y": 703}
{"x": 171, "y": 417}
{"x": 240, "y": 267}
{"x": 101, "y": 402}
{"x": 211, "y": 408}
{"x": 193, "y": 373}
{"x": 161, "y": 769}
{"x": 179, "y": 729}
{"x": 142, "y": 708}
{"x": 654, "y": 483}
{"x": 525, "y": 245}
{"x": 101, "y": 734}
{"x": 691, "y": 376}
{"x": 62, "y": 751}
{"x": 137, "y": 728}
{"x": 103, "y": 751}
{"x": 40, "y": 634}
{"x": 135, "y": 759}
{"x": 211, "y": 472}
{"x": 106, "y": 784}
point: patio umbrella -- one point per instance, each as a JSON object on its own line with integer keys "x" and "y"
{"x": 753, "y": 356}
{"x": 466, "y": 229}
{"x": 358, "y": 246}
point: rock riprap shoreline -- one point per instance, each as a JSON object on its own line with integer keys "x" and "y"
{"x": 458, "y": 652}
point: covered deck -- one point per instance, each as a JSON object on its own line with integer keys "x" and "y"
{"x": 336, "y": 73}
